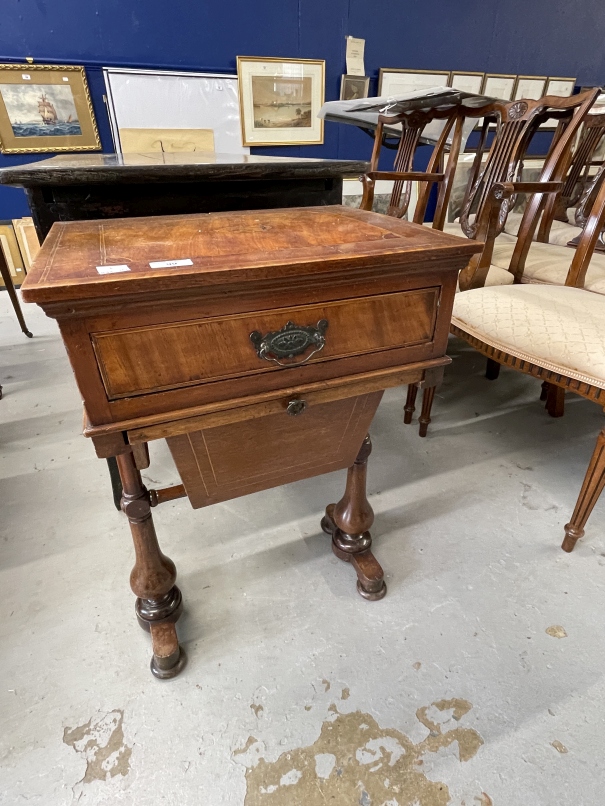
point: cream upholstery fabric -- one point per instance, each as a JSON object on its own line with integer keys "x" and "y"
{"x": 496, "y": 275}
{"x": 560, "y": 232}
{"x": 561, "y": 329}
{"x": 549, "y": 264}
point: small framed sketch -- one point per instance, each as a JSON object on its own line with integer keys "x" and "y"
{"x": 45, "y": 107}
{"x": 466, "y": 82}
{"x": 499, "y": 85}
{"x": 531, "y": 87}
{"x": 279, "y": 101}
{"x": 562, "y": 87}
{"x": 353, "y": 87}
{"x": 393, "y": 81}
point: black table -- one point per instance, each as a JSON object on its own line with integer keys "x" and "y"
{"x": 74, "y": 187}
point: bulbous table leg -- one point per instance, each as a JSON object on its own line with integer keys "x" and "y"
{"x": 349, "y": 521}
{"x": 159, "y": 601}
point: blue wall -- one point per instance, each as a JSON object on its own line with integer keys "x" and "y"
{"x": 539, "y": 37}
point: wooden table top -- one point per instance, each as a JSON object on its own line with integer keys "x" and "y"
{"x": 95, "y": 259}
{"x": 68, "y": 169}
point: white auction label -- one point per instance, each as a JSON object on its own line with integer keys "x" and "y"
{"x": 169, "y": 264}
{"x": 112, "y": 269}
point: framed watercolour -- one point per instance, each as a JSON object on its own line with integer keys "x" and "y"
{"x": 466, "y": 82}
{"x": 393, "y": 81}
{"x": 353, "y": 87}
{"x": 531, "y": 87}
{"x": 562, "y": 87}
{"x": 45, "y": 107}
{"x": 498, "y": 85}
{"x": 279, "y": 101}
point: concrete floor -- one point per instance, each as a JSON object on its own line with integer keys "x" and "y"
{"x": 478, "y": 679}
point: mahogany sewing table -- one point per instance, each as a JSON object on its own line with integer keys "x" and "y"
{"x": 77, "y": 187}
{"x": 258, "y": 344}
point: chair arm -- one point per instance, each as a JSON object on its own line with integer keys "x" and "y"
{"x": 534, "y": 187}
{"x": 408, "y": 176}
{"x": 489, "y": 227}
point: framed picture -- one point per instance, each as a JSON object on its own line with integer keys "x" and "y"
{"x": 279, "y": 101}
{"x": 466, "y": 82}
{"x": 529, "y": 87}
{"x": 353, "y": 87}
{"x": 562, "y": 87}
{"x": 393, "y": 81}
{"x": 499, "y": 85}
{"x": 11, "y": 253}
{"x": 45, "y": 107}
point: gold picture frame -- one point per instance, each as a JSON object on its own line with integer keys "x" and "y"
{"x": 466, "y": 81}
{"x": 399, "y": 80}
{"x": 531, "y": 87}
{"x": 45, "y": 108}
{"x": 499, "y": 85}
{"x": 354, "y": 87}
{"x": 279, "y": 100}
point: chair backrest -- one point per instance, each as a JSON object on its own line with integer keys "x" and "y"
{"x": 413, "y": 125}
{"x": 516, "y": 123}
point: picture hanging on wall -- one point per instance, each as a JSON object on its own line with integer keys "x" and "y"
{"x": 466, "y": 82}
{"x": 353, "y": 87}
{"x": 529, "y": 87}
{"x": 45, "y": 108}
{"x": 499, "y": 85}
{"x": 397, "y": 81}
{"x": 279, "y": 101}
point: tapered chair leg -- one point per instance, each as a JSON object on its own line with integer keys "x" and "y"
{"x": 425, "y": 413}
{"x": 555, "y": 400}
{"x": 349, "y": 521}
{"x": 592, "y": 487}
{"x": 544, "y": 390}
{"x": 159, "y": 601}
{"x": 10, "y": 287}
{"x": 492, "y": 369}
{"x": 410, "y": 403}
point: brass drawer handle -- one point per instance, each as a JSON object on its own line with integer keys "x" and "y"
{"x": 290, "y": 341}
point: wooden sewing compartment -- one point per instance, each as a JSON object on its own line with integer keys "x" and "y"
{"x": 166, "y": 351}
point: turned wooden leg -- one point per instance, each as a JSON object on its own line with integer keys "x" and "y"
{"x": 492, "y": 369}
{"x": 349, "y": 521}
{"x": 10, "y": 287}
{"x": 425, "y": 414}
{"x": 159, "y": 602}
{"x": 555, "y": 400}
{"x": 410, "y": 406}
{"x": 592, "y": 487}
{"x": 544, "y": 390}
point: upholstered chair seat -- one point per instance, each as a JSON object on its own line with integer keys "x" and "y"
{"x": 559, "y": 328}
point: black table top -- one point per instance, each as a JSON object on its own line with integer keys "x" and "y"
{"x": 72, "y": 169}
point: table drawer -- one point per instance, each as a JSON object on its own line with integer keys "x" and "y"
{"x": 143, "y": 360}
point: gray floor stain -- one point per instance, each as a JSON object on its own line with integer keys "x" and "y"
{"x": 101, "y": 743}
{"x": 355, "y": 762}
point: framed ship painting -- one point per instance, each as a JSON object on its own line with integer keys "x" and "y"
{"x": 45, "y": 108}
{"x": 279, "y": 101}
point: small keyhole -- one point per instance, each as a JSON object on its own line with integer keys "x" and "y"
{"x": 296, "y": 407}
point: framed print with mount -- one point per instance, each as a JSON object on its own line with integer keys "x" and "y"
{"x": 466, "y": 82}
{"x": 396, "y": 81}
{"x": 499, "y": 85}
{"x": 531, "y": 87}
{"x": 279, "y": 101}
{"x": 563, "y": 87}
{"x": 44, "y": 108}
{"x": 353, "y": 87}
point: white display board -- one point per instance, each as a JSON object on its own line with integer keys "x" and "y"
{"x": 158, "y": 99}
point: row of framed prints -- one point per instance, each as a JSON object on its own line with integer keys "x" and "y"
{"x": 393, "y": 81}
